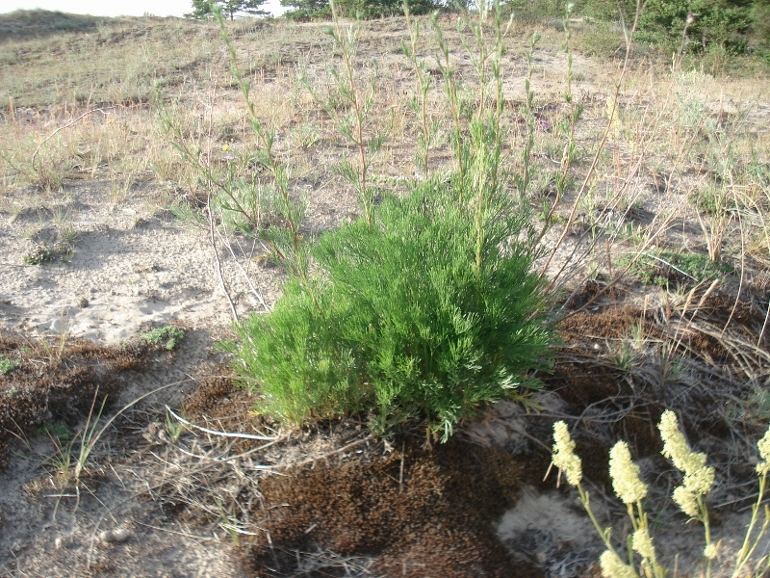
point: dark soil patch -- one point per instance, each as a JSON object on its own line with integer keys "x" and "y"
{"x": 419, "y": 512}
{"x": 57, "y": 384}
{"x": 593, "y": 290}
{"x": 681, "y": 356}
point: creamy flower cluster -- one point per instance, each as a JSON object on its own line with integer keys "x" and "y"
{"x": 763, "y": 467}
{"x": 613, "y": 567}
{"x": 711, "y": 551}
{"x": 564, "y": 456}
{"x": 625, "y": 475}
{"x": 642, "y": 543}
{"x": 698, "y": 477}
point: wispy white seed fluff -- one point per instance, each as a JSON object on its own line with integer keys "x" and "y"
{"x": 613, "y": 567}
{"x": 564, "y": 456}
{"x": 763, "y": 467}
{"x": 625, "y": 475}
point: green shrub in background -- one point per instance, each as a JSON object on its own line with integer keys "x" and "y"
{"x": 725, "y": 23}
{"x": 401, "y": 321}
{"x": 760, "y": 19}
{"x": 364, "y": 9}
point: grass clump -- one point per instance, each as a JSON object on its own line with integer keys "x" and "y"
{"x": 402, "y": 319}
{"x": 8, "y": 365}
{"x": 168, "y": 336}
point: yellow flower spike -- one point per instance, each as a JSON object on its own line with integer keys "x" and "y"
{"x": 625, "y": 475}
{"x": 698, "y": 477}
{"x": 564, "y": 456}
{"x": 687, "y": 501}
{"x": 225, "y": 147}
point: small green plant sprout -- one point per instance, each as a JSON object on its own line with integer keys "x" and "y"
{"x": 690, "y": 496}
{"x": 88, "y": 436}
{"x": 61, "y": 459}
{"x": 8, "y": 365}
{"x": 622, "y": 355}
{"x": 168, "y": 336}
{"x": 174, "y": 428}
{"x": 65, "y": 455}
{"x": 58, "y": 430}
{"x": 63, "y": 220}
{"x": 625, "y": 352}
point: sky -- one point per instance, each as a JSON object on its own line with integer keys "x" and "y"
{"x": 107, "y": 8}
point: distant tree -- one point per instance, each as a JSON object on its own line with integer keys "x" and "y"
{"x": 703, "y": 21}
{"x": 760, "y": 16}
{"x": 306, "y": 9}
{"x": 205, "y": 8}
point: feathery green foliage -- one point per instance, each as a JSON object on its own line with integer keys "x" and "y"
{"x": 403, "y": 320}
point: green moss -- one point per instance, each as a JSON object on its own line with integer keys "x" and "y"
{"x": 666, "y": 267}
{"x": 168, "y": 336}
{"x": 8, "y": 365}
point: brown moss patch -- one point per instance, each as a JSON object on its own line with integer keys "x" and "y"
{"x": 58, "y": 383}
{"x": 419, "y": 512}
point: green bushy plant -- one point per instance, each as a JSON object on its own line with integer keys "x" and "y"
{"x": 401, "y": 319}
{"x": 427, "y": 305}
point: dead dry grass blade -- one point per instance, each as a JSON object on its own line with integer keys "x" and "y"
{"x": 238, "y": 435}
{"x": 61, "y": 128}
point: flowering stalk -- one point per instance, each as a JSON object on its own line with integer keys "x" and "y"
{"x": 632, "y": 490}
{"x": 690, "y": 497}
{"x": 698, "y": 479}
{"x": 568, "y": 463}
{"x": 763, "y": 468}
